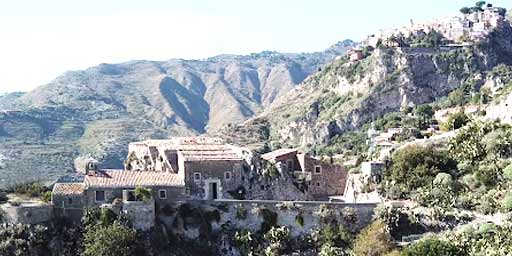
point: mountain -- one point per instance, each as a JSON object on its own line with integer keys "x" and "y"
{"x": 98, "y": 111}
{"x": 348, "y": 94}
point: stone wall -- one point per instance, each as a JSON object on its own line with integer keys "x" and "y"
{"x": 330, "y": 180}
{"x": 250, "y": 215}
{"x": 140, "y": 213}
{"x": 28, "y": 214}
{"x": 213, "y": 172}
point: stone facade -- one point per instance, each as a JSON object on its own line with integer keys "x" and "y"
{"x": 209, "y": 167}
{"x": 322, "y": 179}
{"x": 213, "y": 179}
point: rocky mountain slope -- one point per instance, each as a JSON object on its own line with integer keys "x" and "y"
{"x": 99, "y": 110}
{"x": 346, "y": 95}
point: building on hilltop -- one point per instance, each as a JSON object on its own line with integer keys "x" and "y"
{"x": 116, "y": 189}
{"x": 322, "y": 179}
{"x": 209, "y": 168}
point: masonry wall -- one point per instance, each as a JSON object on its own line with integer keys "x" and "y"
{"x": 353, "y": 216}
{"x": 173, "y": 194}
{"x": 331, "y": 180}
{"x": 141, "y": 214}
{"x": 290, "y": 157}
{"x": 35, "y": 214}
{"x": 213, "y": 171}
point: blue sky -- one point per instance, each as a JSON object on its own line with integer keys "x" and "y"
{"x": 42, "y": 39}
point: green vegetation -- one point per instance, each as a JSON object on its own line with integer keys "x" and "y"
{"x": 143, "y": 194}
{"x": 113, "y": 240}
{"x": 455, "y": 121}
{"x": 432, "y": 247}
{"x": 415, "y": 167}
{"x": 432, "y": 39}
{"x": 374, "y": 240}
{"x": 30, "y": 189}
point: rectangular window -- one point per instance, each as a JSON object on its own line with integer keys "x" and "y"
{"x": 227, "y": 175}
{"x": 162, "y": 193}
{"x": 318, "y": 169}
{"x": 289, "y": 164}
{"x": 197, "y": 176}
{"x": 70, "y": 201}
{"x": 100, "y": 196}
{"x": 130, "y": 196}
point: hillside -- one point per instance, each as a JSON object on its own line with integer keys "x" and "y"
{"x": 98, "y": 111}
{"x": 348, "y": 94}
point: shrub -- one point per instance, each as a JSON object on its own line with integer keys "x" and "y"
{"x": 329, "y": 250}
{"x": 33, "y": 189}
{"x": 455, "y": 121}
{"x": 299, "y": 219}
{"x": 269, "y": 220}
{"x": 432, "y": 247}
{"x": 507, "y": 172}
{"x": 374, "y": 240}
{"x": 114, "y": 239}
{"x": 143, "y": 194}
{"x": 46, "y": 196}
{"x": 416, "y": 166}
{"x": 241, "y": 213}
{"x": 506, "y": 204}
{"x": 278, "y": 239}
{"x": 443, "y": 180}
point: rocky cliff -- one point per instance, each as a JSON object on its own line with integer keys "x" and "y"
{"x": 346, "y": 95}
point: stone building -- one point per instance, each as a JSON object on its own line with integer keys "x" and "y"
{"x": 116, "y": 189}
{"x": 322, "y": 179}
{"x": 210, "y": 169}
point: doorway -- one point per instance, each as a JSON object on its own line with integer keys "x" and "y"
{"x": 214, "y": 191}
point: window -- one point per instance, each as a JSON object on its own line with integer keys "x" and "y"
{"x": 162, "y": 193}
{"x": 289, "y": 164}
{"x": 227, "y": 175}
{"x": 318, "y": 169}
{"x": 318, "y": 184}
{"x": 70, "y": 200}
{"x": 100, "y": 196}
{"x": 197, "y": 176}
{"x": 262, "y": 187}
{"x": 130, "y": 196}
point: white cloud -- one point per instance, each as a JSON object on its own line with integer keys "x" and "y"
{"x": 35, "y": 50}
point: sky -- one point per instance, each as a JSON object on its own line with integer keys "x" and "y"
{"x": 40, "y": 40}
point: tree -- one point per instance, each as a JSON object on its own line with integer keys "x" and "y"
{"x": 424, "y": 113}
{"x": 464, "y": 10}
{"x": 480, "y": 4}
{"x": 111, "y": 240}
{"x": 416, "y": 166}
{"x": 455, "y": 121}
{"x": 432, "y": 247}
{"x": 374, "y": 240}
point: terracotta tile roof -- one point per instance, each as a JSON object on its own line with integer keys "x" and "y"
{"x": 277, "y": 153}
{"x": 68, "y": 188}
{"x": 128, "y": 179}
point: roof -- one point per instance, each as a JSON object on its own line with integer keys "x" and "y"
{"x": 118, "y": 179}
{"x": 277, "y": 153}
{"x": 68, "y": 188}
{"x": 208, "y": 152}
{"x": 193, "y": 148}
{"x": 180, "y": 141}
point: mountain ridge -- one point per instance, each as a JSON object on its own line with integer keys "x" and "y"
{"x": 97, "y": 111}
